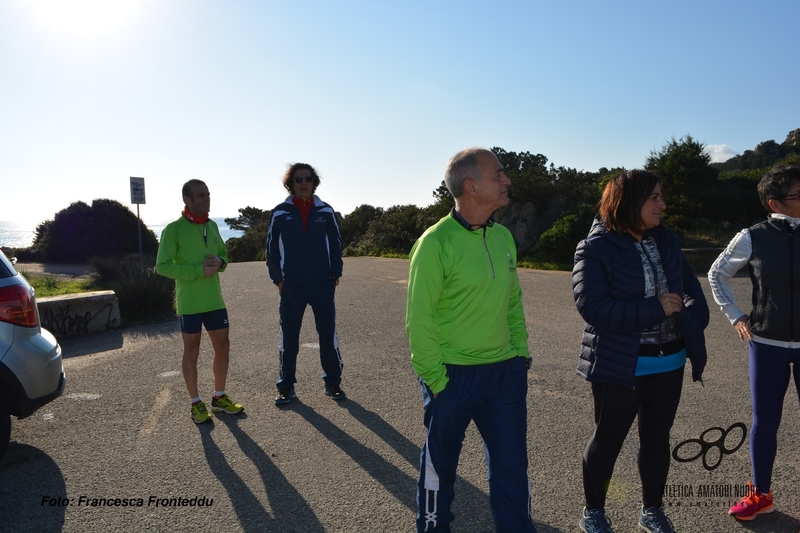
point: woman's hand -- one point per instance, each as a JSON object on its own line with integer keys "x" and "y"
{"x": 671, "y": 302}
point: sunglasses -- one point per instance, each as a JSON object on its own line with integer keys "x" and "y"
{"x": 307, "y": 179}
{"x": 790, "y": 197}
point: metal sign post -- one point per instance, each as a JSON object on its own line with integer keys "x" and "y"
{"x": 137, "y": 197}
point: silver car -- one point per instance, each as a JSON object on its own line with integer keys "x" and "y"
{"x": 31, "y": 370}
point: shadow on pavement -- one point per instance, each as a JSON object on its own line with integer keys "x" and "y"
{"x": 774, "y": 522}
{"x": 90, "y": 344}
{"x": 396, "y": 482}
{"x": 27, "y": 477}
{"x": 471, "y": 504}
{"x": 114, "y": 339}
{"x": 290, "y": 512}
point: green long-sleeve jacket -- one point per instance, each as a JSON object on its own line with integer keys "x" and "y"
{"x": 181, "y": 252}
{"x": 464, "y": 300}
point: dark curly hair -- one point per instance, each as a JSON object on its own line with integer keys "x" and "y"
{"x": 288, "y": 178}
{"x": 620, "y": 207}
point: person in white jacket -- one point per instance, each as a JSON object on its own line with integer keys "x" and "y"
{"x": 771, "y": 252}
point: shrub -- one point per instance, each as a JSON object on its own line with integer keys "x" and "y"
{"x": 356, "y": 224}
{"x": 106, "y": 228}
{"x": 557, "y": 244}
{"x": 251, "y": 245}
{"x": 142, "y": 293}
{"x": 394, "y": 232}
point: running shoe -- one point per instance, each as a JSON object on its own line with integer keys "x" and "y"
{"x": 654, "y": 520}
{"x": 225, "y": 405}
{"x": 753, "y": 504}
{"x": 199, "y": 413}
{"x": 335, "y": 392}
{"x": 284, "y": 396}
{"x": 595, "y": 521}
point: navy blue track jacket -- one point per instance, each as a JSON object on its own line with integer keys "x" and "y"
{"x": 302, "y": 257}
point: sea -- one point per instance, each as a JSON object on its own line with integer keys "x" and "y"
{"x": 20, "y": 235}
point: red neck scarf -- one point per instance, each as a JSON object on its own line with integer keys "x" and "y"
{"x": 194, "y": 218}
{"x": 305, "y": 207}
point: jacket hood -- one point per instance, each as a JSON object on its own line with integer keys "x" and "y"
{"x": 599, "y": 228}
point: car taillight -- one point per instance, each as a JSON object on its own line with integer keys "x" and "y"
{"x": 17, "y": 306}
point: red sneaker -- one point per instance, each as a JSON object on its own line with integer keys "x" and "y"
{"x": 753, "y": 504}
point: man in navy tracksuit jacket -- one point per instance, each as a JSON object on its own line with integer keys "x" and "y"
{"x": 304, "y": 259}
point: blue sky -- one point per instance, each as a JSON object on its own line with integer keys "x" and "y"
{"x": 377, "y": 95}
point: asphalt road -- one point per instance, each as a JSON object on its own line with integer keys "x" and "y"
{"x": 122, "y": 430}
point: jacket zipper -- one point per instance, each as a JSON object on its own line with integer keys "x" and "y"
{"x": 791, "y": 287}
{"x": 488, "y": 256}
{"x": 655, "y": 283}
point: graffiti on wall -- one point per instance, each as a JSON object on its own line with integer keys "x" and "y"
{"x": 63, "y": 321}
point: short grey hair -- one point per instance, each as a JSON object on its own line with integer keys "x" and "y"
{"x": 462, "y": 167}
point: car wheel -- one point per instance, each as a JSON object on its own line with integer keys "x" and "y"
{"x": 5, "y": 427}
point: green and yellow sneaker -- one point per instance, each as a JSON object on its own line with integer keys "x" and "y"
{"x": 225, "y": 405}
{"x": 199, "y": 413}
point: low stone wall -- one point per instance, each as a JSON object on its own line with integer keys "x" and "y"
{"x": 82, "y": 313}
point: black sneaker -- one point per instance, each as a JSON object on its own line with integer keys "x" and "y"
{"x": 655, "y": 521}
{"x": 595, "y": 521}
{"x": 335, "y": 392}
{"x": 284, "y": 396}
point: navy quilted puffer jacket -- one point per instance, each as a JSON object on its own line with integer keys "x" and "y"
{"x": 608, "y": 285}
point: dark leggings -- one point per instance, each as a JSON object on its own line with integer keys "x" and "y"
{"x": 655, "y": 399}
{"x": 770, "y": 369}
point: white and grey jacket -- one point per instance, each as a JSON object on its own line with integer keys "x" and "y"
{"x": 737, "y": 255}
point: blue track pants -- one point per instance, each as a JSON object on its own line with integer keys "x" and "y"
{"x": 494, "y": 396}
{"x": 294, "y": 299}
{"x": 770, "y": 368}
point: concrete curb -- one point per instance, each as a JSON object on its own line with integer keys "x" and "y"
{"x": 72, "y": 315}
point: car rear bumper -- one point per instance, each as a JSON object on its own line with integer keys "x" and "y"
{"x": 31, "y": 371}
{"x": 29, "y": 406}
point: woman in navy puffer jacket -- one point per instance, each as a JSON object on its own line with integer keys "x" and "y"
{"x": 645, "y": 314}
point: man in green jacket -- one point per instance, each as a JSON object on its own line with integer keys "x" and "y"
{"x": 469, "y": 346}
{"x": 192, "y": 252}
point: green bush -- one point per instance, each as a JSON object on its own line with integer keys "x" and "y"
{"x": 556, "y": 246}
{"x": 142, "y": 293}
{"x": 249, "y": 247}
{"x": 355, "y": 225}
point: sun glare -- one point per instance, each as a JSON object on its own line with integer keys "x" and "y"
{"x": 85, "y": 20}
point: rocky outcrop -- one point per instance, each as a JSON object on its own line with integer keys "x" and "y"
{"x": 526, "y": 223}
{"x": 793, "y": 139}
{"x": 520, "y": 219}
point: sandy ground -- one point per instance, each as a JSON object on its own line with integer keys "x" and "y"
{"x": 64, "y": 271}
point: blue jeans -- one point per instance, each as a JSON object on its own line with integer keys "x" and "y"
{"x": 494, "y": 397}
